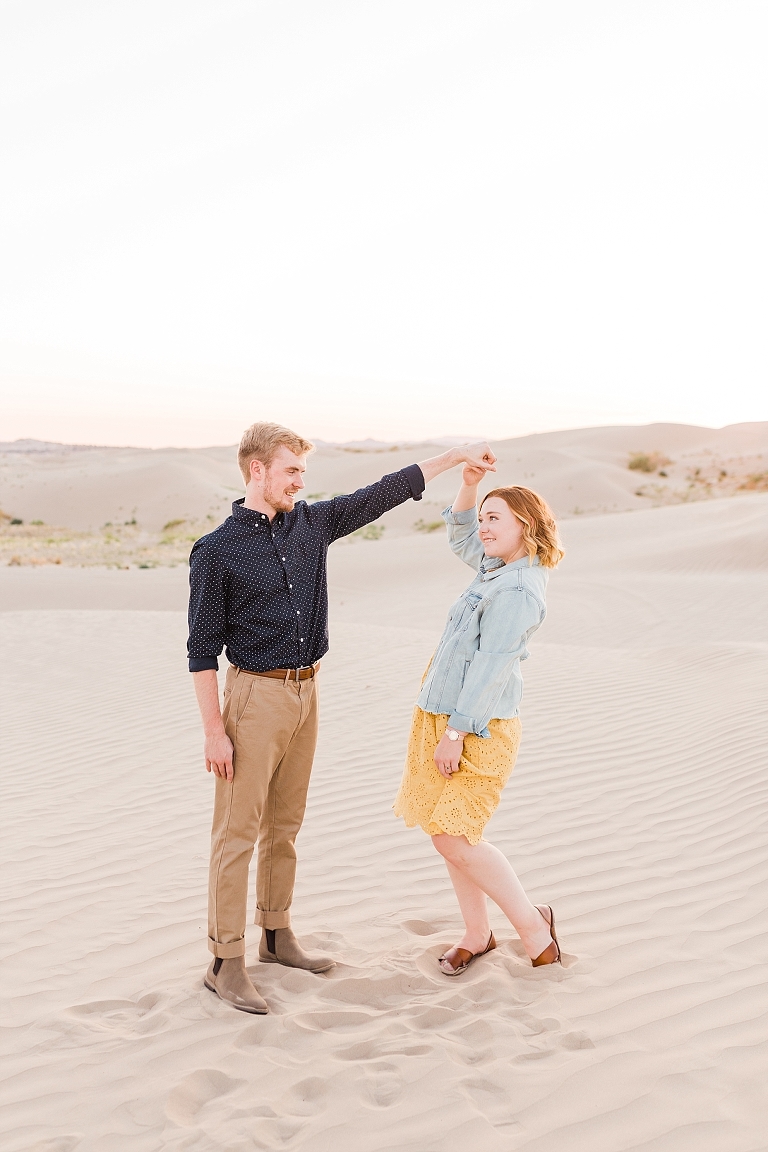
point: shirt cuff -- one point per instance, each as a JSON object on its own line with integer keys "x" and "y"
{"x": 468, "y": 516}
{"x": 415, "y": 478}
{"x": 203, "y": 663}
{"x": 466, "y": 724}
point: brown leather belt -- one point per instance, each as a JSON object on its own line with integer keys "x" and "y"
{"x": 286, "y": 673}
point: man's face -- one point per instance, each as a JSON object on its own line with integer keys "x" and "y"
{"x": 283, "y": 479}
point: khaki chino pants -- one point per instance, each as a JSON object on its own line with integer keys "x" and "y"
{"x": 273, "y": 728}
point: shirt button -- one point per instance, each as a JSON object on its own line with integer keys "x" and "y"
{"x": 290, "y": 585}
{"x": 298, "y": 613}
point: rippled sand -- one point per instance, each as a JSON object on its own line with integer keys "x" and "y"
{"x": 637, "y": 808}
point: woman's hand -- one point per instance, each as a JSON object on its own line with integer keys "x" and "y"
{"x": 448, "y": 754}
{"x": 472, "y": 476}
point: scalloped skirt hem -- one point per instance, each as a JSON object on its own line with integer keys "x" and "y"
{"x": 463, "y": 805}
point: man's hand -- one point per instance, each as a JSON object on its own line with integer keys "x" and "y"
{"x": 218, "y": 755}
{"x": 218, "y": 746}
{"x": 448, "y": 754}
{"x": 477, "y": 456}
{"x": 480, "y": 458}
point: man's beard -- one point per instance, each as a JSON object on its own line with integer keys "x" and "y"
{"x": 277, "y": 499}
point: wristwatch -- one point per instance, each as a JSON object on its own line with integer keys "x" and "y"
{"x": 452, "y": 734}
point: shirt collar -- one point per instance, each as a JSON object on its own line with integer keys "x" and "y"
{"x": 495, "y": 566}
{"x": 240, "y": 512}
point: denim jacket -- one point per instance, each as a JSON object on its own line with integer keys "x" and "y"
{"x": 475, "y": 672}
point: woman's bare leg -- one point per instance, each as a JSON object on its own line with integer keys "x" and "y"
{"x": 481, "y": 867}
{"x": 473, "y": 903}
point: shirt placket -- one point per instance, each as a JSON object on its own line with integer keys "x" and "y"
{"x": 281, "y": 551}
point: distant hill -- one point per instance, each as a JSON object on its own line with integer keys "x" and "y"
{"x": 581, "y": 471}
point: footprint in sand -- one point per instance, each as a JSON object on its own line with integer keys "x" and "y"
{"x": 333, "y": 1022}
{"x": 56, "y": 1143}
{"x": 376, "y": 1049}
{"x": 307, "y": 1097}
{"x": 576, "y": 1040}
{"x": 420, "y": 927}
{"x": 383, "y": 1084}
{"x": 379, "y": 992}
{"x": 195, "y": 1092}
{"x": 128, "y": 1017}
{"x": 434, "y": 1017}
{"x": 492, "y": 1101}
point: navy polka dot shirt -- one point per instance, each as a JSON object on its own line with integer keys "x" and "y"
{"x": 258, "y": 588}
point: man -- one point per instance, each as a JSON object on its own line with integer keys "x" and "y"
{"x": 258, "y": 588}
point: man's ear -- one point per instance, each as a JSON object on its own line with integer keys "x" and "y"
{"x": 256, "y": 470}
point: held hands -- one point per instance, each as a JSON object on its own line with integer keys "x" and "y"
{"x": 477, "y": 459}
{"x": 448, "y": 754}
{"x": 218, "y": 756}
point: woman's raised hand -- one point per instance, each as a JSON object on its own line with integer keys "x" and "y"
{"x": 472, "y": 476}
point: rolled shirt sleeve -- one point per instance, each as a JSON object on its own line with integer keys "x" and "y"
{"x": 508, "y": 619}
{"x": 207, "y": 607}
{"x": 462, "y": 536}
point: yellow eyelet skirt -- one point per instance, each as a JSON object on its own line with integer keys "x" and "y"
{"x": 463, "y": 805}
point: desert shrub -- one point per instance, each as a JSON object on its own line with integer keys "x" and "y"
{"x": 370, "y": 532}
{"x": 647, "y": 461}
{"x": 756, "y": 482}
{"x": 171, "y": 524}
{"x": 429, "y": 525}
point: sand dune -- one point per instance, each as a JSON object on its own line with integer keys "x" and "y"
{"x": 637, "y": 808}
{"x": 582, "y": 472}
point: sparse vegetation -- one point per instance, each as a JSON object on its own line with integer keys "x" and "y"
{"x": 370, "y": 532}
{"x": 647, "y": 461}
{"x": 429, "y": 525}
{"x": 115, "y": 545}
{"x": 755, "y": 482}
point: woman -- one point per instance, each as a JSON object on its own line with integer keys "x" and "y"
{"x": 466, "y": 728}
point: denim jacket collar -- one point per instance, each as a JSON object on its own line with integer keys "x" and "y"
{"x": 494, "y": 566}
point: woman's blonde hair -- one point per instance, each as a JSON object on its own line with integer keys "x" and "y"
{"x": 539, "y": 526}
{"x": 261, "y": 442}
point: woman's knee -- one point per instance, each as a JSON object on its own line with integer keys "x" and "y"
{"x": 454, "y": 849}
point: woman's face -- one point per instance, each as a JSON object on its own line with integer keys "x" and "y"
{"x": 500, "y": 530}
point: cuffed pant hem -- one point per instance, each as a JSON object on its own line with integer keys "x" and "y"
{"x": 227, "y": 951}
{"x": 272, "y": 919}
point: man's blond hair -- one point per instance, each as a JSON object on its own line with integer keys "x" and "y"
{"x": 261, "y": 442}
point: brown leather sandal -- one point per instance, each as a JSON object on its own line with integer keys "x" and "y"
{"x": 464, "y": 958}
{"x": 551, "y": 954}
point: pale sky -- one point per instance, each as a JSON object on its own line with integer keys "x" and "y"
{"x": 387, "y": 218}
